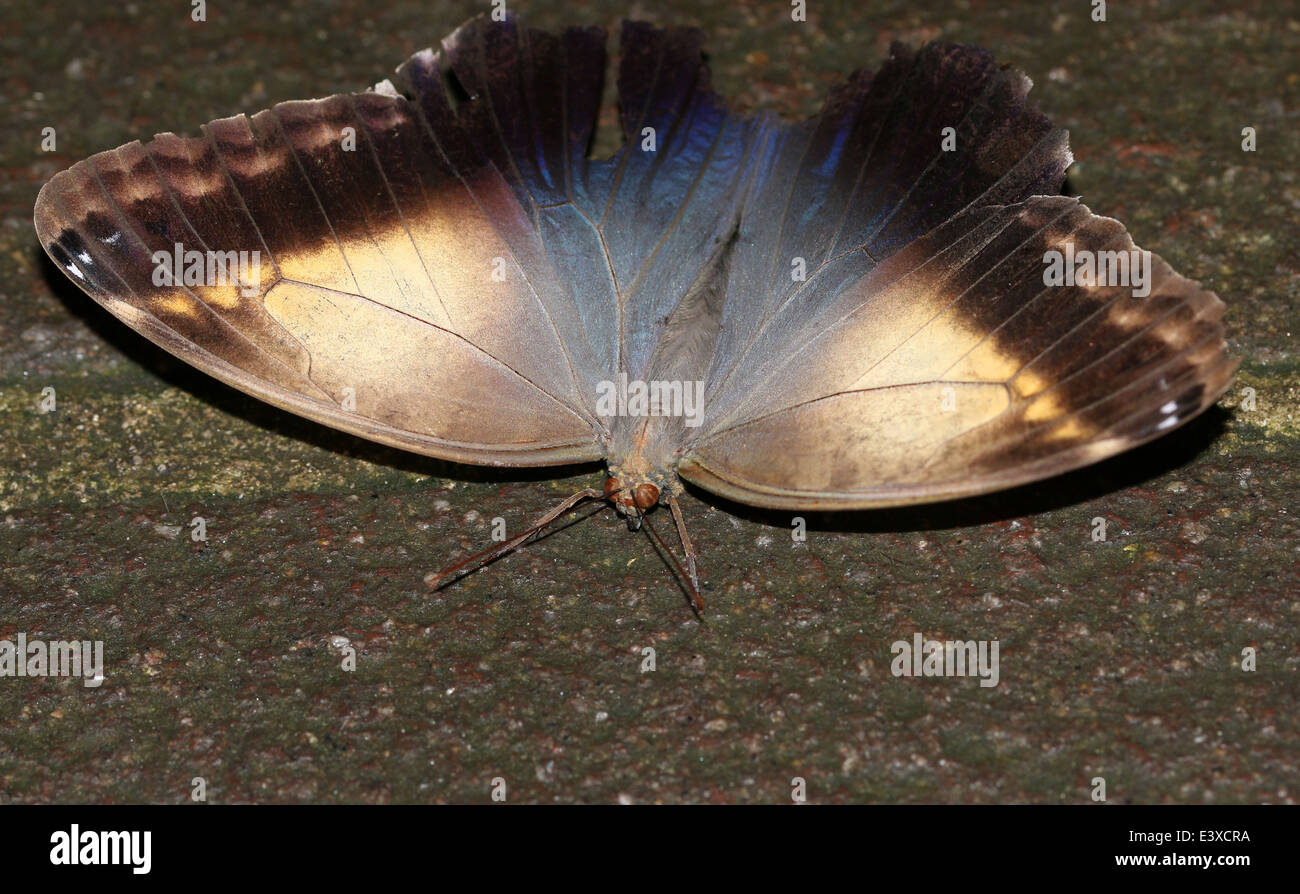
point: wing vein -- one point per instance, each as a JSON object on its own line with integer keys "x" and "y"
{"x": 392, "y": 197}
{"x": 293, "y": 151}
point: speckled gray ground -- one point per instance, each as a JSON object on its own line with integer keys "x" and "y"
{"x": 1118, "y": 659}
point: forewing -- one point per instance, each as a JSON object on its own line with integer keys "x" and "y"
{"x": 952, "y": 369}
{"x": 403, "y": 294}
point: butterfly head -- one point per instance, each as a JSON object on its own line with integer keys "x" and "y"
{"x": 632, "y": 499}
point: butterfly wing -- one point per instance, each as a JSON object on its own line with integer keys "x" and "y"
{"x": 898, "y": 343}
{"x": 952, "y": 369}
{"x": 400, "y": 289}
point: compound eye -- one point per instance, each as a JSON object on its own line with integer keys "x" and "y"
{"x": 611, "y": 487}
{"x": 645, "y": 496}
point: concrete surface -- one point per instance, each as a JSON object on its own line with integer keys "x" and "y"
{"x": 1118, "y": 659}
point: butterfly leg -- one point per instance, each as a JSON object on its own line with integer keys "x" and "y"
{"x": 488, "y": 555}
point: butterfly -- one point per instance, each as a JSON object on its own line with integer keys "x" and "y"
{"x": 888, "y": 303}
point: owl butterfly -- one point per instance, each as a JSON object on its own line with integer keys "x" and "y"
{"x": 888, "y": 303}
